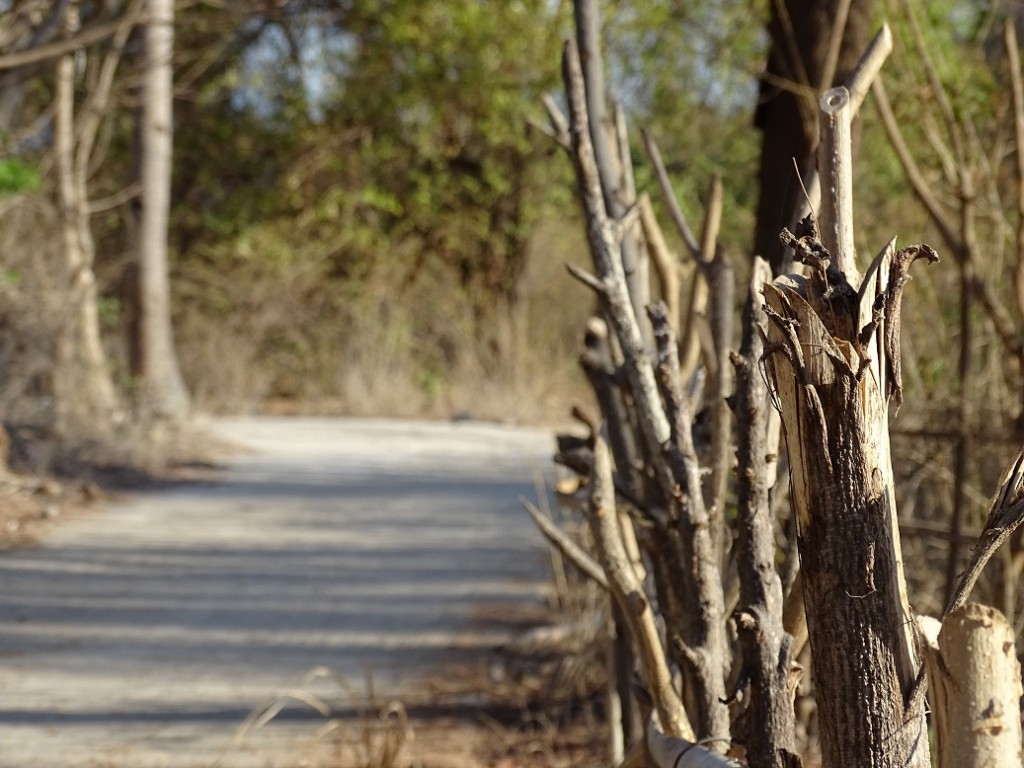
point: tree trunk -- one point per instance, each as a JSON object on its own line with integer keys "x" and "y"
{"x": 163, "y": 391}
{"x": 834, "y": 365}
{"x": 83, "y": 390}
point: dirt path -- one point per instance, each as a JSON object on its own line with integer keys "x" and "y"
{"x": 141, "y": 635}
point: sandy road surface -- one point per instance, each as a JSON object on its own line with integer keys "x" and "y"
{"x": 142, "y": 634}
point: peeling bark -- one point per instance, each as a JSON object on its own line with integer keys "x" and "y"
{"x": 833, "y": 358}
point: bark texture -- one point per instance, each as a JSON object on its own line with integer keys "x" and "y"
{"x": 162, "y": 387}
{"x": 833, "y": 358}
{"x": 698, "y": 631}
{"x": 83, "y": 388}
{"x": 767, "y": 647}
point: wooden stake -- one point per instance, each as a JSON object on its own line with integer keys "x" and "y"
{"x": 975, "y": 689}
{"x": 835, "y": 164}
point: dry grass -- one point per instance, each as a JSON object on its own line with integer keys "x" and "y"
{"x": 461, "y": 718}
{"x": 257, "y": 337}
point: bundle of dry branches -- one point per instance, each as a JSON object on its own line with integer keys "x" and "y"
{"x": 712, "y": 632}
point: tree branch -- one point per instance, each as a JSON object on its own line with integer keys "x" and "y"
{"x": 767, "y": 648}
{"x": 614, "y": 191}
{"x": 629, "y": 594}
{"x": 1005, "y": 514}
{"x": 702, "y": 629}
{"x": 605, "y": 251}
{"x": 1017, "y": 83}
{"x": 669, "y": 196}
{"x": 666, "y": 262}
{"x": 57, "y": 49}
{"x": 835, "y": 166}
{"x": 560, "y": 539}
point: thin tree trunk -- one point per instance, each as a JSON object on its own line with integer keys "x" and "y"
{"x": 162, "y": 388}
{"x": 84, "y": 391}
{"x": 767, "y": 647}
{"x": 836, "y": 429}
{"x": 610, "y": 157}
{"x": 834, "y": 382}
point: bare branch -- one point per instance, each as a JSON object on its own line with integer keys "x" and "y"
{"x": 537, "y": 125}
{"x": 868, "y": 67}
{"x": 587, "y": 279}
{"x": 1001, "y": 320}
{"x": 696, "y": 310}
{"x": 113, "y": 201}
{"x": 835, "y": 165}
{"x": 628, "y": 184}
{"x": 613, "y": 186}
{"x": 666, "y": 262}
{"x": 669, "y": 196}
{"x": 629, "y": 594}
{"x": 605, "y": 252}
{"x": 858, "y": 84}
{"x": 700, "y": 633}
{"x": 917, "y": 181}
{"x": 559, "y": 123}
{"x": 569, "y": 548}
{"x": 835, "y": 45}
{"x": 57, "y": 49}
{"x": 1005, "y": 514}
{"x": 96, "y": 103}
{"x": 924, "y": 56}
{"x": 767, "y": 648}
{"x": 1013, "y": 53}
{"x": 721, "y": 290}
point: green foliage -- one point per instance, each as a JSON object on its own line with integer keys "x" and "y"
{"x": 394, "y": 148}
{"x": 17, "y": 177}
{"x": 329, "y": 153}
{"x": 688, "y": 71}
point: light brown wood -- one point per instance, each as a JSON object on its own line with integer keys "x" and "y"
{"x": 974, "y": 688}
{"x": 697, "y": 306}
{"x": 835, "y": 164}
{"x": 629, "y": 594}
{"x": 665, "y": 260}
{"x": 834, "y": 363}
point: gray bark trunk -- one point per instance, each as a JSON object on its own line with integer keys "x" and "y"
{"x": 767, "y": 647}
{"x": 162, "y": 388}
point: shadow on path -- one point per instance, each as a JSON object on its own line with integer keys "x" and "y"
{"x": 360, "y": 546}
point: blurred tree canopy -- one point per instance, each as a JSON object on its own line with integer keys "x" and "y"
{"x": 345, "y": 168}
{"x": 365, "y": 136}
